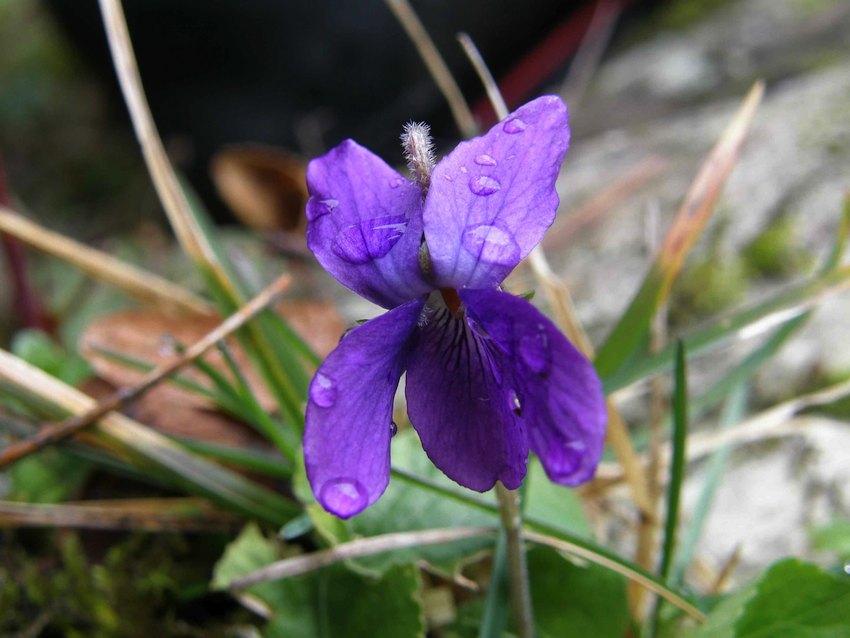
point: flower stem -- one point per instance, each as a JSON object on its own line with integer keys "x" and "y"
{"x": 517, "y": 567}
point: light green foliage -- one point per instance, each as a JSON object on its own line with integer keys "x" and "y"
{"x": 833, "y": 537}
{"x": 792, "y": 599}
{"x": 575, "y": 600}
{"x": 51, "y": 476}
{"x": 333, "y": 602}
{"x": 39, "y": 349}
{"x": 775, "y": 252}
{"x": 706, "y": 288}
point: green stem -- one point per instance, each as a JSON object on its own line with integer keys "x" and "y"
{"x": 517, "y": 567}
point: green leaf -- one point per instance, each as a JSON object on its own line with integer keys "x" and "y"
{"x": 792, "y": 599}
{"x": 51, "y": 476}
{"x": 332, "y": 602}
{"x": 833, "y": 537}
{"x": 573, "y": 600}
{"x": 408, "y": 507}
{"x": 39, "y": 349}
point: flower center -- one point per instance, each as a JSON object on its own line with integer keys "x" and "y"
{"x": 451, "y": 299}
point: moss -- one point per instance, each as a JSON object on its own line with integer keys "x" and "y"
{"x": 707, "y": 288}
{"x": 776, "y": 251}
{"x": 142, "y": 585}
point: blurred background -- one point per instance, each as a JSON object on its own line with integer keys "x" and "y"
{"x": 650, "y": 86}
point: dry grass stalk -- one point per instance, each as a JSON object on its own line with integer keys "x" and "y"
{"x": 177, "y": 207}
{"x": 54, "y": 433}
{"x": 142, "y": 285}
{"x": 144, "y": 514}
{"x": 437, "y": 67}
{"x": 558, "y": 296}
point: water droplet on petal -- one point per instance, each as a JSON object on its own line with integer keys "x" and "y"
{"x": 534, "y": 351}
{"x": 343, "y": 496}
{"x": 464, "y": 170}
{"x": 395, "y": 182}
{"x": 484, "y": 185}
{"x": 369, "y": 239}
{"x": 323, "y": 390}
{"x": 563, "y": 460}
{"x": 330, "y": 204}
{"x": 485, "y": 160}
{"x": 510, "y": 157}
{"x": 514, "y": 126}
{"x": 515, "y": 405}
{"x": 448, "y": 177}
{"x": 393, "y": 428}
{"x": 491, "y": 244}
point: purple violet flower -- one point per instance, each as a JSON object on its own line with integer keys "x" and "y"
{"x": 488, "y": 375}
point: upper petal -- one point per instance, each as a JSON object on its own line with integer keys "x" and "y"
{"x": 349, "y": 415}
{"x": 493, "y": 197}
{"x": 561, "y": 397}
{"x": 364, "y": 224}
{"x": 460, "y": 404}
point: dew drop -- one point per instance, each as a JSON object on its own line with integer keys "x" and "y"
{"x": 464, "y": 170}
{"x": 562, "y": 461}
{"x": 491, "y": 244}
{"x": 514, "y": 126}
{"x": 369, "y": 239}
{"x": 167, "y": 346}
{"x": 485, "y": 160}
{"x": 323, "y": 390}
{"x": 330, "y": 204}
{"x": 515, "y": 405}
{"x": 395, "y": 182}
{"x": 448, "y": 177}
{"x": 484, "y": 185}
{"x": 510, "y": 157}
{"x": 847, "y": 567}
{"x": 534, "y": 351}
{"x": 343, "y": 496}
{"x": 393, "y": 428}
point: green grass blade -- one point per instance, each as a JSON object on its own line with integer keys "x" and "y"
{"x": 733, "y": 413}
{"x": 677, "y": 466}
{"x": 148, "y": 450}
{"x": 677, "y": 474}
{"x": 630, "y": 332}
{"x": 275, "y": 432}
{"x": 592, "y": 551}
{"x": 776, "y": 310}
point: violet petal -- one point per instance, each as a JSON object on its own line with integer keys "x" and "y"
{"x": 461, "y": 406}
{"x": 560, "y": 395}
{"x": 493, "y": 197}
{"x": 348, "y": 424}
{"x": 364, "y": 224}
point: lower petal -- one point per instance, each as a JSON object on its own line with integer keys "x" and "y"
{"x": 560, "y": 395}
{"x": 348, "y": 424}
{"x": 461, "y": 406}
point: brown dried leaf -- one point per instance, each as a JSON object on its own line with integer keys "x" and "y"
{"x": 150, "y": 336}
{"x": 265, "y": 187}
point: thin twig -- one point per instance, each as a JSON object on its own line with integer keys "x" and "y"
{"x": 143, "y": 285}
{"x": 517, "y": 565}
{"x": 437, "y": 67}
{"x": 54, "y": 433}
{"x": 558, "y": 296}
{"x": 148, "y": 514}
{"x": 500, "y": 107}
{"x": 648, "y": 526}
{"x": 168, "y": 187}
{"x": 355, "y": 549}
{"x": 589, "y": 54}
{"x": 629, "y": 573}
